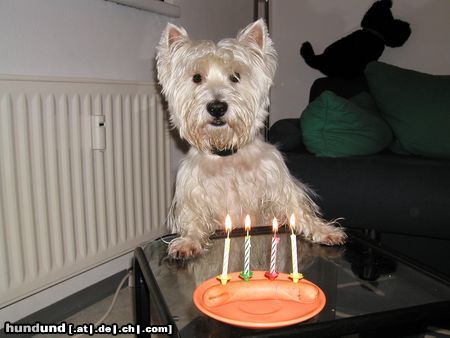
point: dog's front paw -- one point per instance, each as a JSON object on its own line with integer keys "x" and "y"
{"x": 184, "y": 247}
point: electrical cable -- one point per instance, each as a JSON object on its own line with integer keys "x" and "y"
{"x": 116, "y": 294}
{"x": 164, "y": 241}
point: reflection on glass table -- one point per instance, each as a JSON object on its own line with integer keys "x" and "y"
{"x": 365, "y": 287}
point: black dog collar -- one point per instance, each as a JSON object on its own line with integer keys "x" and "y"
{"x": 225, "y": 152}
{"x": 374, "y": 32}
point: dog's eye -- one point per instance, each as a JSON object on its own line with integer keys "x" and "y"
{"x": 235, "y": 77}
{"x": 197, "y": 78}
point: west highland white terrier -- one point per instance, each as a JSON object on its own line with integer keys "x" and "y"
{"x": 217, "y": 95}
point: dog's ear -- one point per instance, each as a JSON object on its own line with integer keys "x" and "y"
{"x": 386, "y": 3}
{"x": 173, "y": 35}
{"x": 172, "y": 38}
{"x": 255, "y": 34}
{"x": 256, "y": 37}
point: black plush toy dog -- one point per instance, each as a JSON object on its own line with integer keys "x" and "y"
{"x": 349, "y": 56}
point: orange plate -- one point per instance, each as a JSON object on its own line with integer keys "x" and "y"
{"x": 253, "y": 308}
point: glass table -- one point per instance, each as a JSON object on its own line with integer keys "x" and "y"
{"x": 368, "y": 289}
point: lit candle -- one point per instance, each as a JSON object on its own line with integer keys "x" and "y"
{"x": 224, "y": 278}
{"x": 294, "y": 275}
{"x": 272, "y": 274}
{"x": 247, "y": 274}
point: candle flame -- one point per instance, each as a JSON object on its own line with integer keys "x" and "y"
{"x": 274, "y": 224}
{"x": 292, "y": 221}
{"x": 228, "y": 223}
{"x": 247, "y": 223}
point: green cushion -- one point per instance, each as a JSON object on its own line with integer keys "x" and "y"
{"x": 415, "y": 105}
{"x": 333, "y": 126}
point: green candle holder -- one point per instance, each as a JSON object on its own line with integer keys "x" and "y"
{"x": 246, "y": 276}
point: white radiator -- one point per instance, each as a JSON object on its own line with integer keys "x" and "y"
{"x": 84, "y": 177}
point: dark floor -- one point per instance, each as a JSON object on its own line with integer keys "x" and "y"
{"x": 121, "y": 313}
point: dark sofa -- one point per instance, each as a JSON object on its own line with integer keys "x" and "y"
{"x": 402, "y": 200}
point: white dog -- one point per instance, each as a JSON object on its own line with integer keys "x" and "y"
{"x": 217, "y": 95}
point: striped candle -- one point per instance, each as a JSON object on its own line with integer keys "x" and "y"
{"x": 247, "y": 247}
{"x": 273, "y": 252}
{"x": 246, "y": 274}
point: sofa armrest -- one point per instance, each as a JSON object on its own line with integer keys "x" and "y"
{"x": 286, "y": 134}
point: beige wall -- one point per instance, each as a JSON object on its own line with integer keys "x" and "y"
{"x": 324, "y": 21}
{"x": 214, "y": 19}
{"x": 82, "y": 38}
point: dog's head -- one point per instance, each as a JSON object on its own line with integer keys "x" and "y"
{"x": 379, "y": 18}
{"x": 217, "y": 93}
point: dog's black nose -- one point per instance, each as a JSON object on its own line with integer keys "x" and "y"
{"x": 217, "y": 108}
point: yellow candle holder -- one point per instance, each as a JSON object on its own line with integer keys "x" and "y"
{"x": 295, "y": 277}
{"x": 223, "y": 279}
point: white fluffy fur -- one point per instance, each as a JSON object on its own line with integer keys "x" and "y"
{"x": 254, "y": 180}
